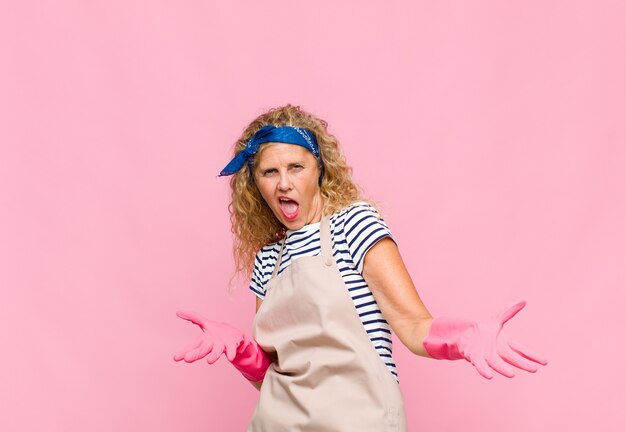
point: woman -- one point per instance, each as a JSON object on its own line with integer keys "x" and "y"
{"x": 330, "y": 286}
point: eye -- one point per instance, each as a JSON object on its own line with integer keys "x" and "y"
{"x": 268, "y": 172}
{"x": 298, "y": 167}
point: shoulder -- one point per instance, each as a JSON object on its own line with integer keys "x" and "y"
{"x": 357, "y": 228}
{"x": 264, "y": 263}
{"x": 356, "y": 214}
{"x": 354, "y": 210}
{"x": 266, "y": 256}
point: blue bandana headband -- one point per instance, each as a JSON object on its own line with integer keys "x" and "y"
{"x": 270, "y": 133}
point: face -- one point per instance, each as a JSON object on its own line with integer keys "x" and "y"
{"x": 287, "y": 177}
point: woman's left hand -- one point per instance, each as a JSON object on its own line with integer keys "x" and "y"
{"x": 484, "y": 344}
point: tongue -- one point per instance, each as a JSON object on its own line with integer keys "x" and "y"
{"x": 289, "y": 207}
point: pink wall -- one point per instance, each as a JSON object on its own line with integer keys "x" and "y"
{"x": 492, "y": 133}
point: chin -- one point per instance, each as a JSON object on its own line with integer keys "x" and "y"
{"x": 293, "y": 225}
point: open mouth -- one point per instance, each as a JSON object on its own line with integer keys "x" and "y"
{"x": 289, "y": 207}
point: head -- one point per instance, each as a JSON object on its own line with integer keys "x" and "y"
{"x": 258, "y": 214}
{"x": 288, "y": 178}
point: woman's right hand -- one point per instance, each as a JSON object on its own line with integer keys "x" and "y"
{"x": 216, "y": 338}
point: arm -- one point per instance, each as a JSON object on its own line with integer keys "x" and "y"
{"x": 392, "y": 287}
{"x": 481, "y": 343}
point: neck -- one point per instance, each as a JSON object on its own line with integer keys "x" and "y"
{"x": 319, "y": 210}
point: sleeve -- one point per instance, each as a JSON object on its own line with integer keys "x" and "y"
{"x": 363, "y": 228}
{"x": 257, "y": 282}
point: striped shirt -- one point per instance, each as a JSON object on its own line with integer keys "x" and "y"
{"x": 354, "y": 230}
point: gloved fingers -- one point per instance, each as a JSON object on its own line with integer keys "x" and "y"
{"x": 215, "y": 354}
{"x": 529, "y": 354}
{"x": 231, "y": 349}
{"x": 515, "y": 359}
{"x": 511, "y": 312}
{"x": 211, "y": 359}
{"x": 205, "y": 348}
{"x": 200, "y": 351}
{"x": 191, "y": 356}
{"x": 180, "y": 354}
{"x": 481, "y": 366}
{"x": 497, "y": 364}
{"x": 193, "y": 317}
{"x": 245, "y": 340}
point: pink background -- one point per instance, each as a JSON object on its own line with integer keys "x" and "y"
{"x": 491, "y": 133}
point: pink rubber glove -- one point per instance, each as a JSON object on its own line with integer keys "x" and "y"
{"x": 218, "y": 338}
{"x": 482, "y": 344}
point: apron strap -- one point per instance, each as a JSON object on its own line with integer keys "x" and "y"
{"x": 326, "y": 242}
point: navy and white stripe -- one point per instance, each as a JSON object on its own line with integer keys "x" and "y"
{"x": 354, "y": 230}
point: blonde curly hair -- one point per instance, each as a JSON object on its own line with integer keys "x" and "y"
{"x": 252, "y": 222}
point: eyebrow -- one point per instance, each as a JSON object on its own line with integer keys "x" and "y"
{"x": 289, "y": 165}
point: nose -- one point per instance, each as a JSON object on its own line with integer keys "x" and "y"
{"x": 284, "y": 181}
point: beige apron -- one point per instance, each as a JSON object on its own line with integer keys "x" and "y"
{"x": 326, "y": 375}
